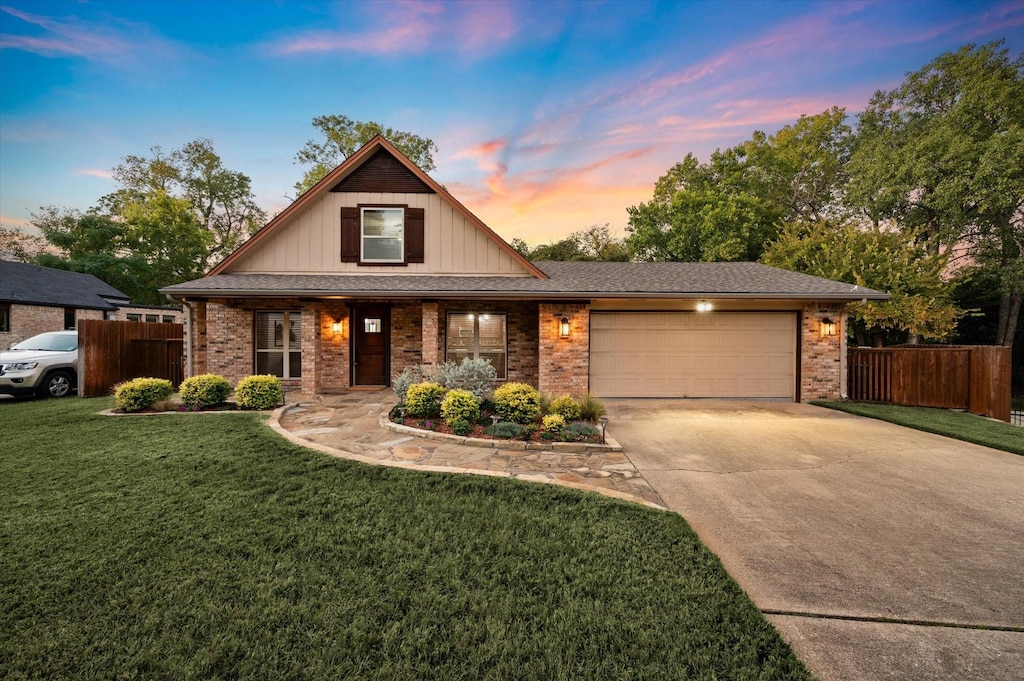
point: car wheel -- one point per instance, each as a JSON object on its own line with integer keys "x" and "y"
{"x": 57, "y": 384}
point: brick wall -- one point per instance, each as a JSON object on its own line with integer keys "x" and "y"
{"x": 431, "y": 331}
{"x": 229, "y": 341}
{"x": 564, "y": 362}
{"x": 334, "y": 347}
{"x": 199, "y": 338}
{"x": 121, "y": 314}
{"x": 311, "y": 332}
{"x": 406, "y": 337}
{"x": 32, "y": 320}
{"x": 520, "y": 328}
{"x": 821, "y": 357}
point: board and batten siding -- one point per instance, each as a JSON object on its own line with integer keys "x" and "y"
{"x": 311, "y": 242}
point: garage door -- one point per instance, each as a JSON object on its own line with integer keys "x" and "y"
{"x": 689, "y": 354}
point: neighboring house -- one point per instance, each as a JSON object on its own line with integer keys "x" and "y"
{"x": 37, "y": 299}
{"x": 378, "y": 268}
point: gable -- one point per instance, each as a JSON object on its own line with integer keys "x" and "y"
{"x": 441, "y": 236}
{"x": 382, "y": 172}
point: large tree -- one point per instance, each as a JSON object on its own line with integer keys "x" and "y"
{"x": 731, "y": 207}
{"x": 591, "y": 244}
{"x": 220, "y": 199}
{"x": 942, "y": 157}
{"x": 342, "y": 136}
{"x": 921, "y": 299}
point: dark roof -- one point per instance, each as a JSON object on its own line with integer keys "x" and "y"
{"x": 34, "y": 285}
{"x": 566, "y": 280}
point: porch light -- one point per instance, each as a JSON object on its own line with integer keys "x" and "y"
{"x": 828, "y": 327}
{"x": 337, "y": 326}
{"x": 603, "y": 422}
{"x": 563, "y": 327}
{"x": 704, "y": 306}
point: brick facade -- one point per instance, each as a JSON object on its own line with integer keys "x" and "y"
{"x": 162, "y": 314}
{"x": 32, "y": 320}
{"x": 406, "y": 337}
{"x": 822, "y": 365}
{"x": 564, "y": 362}
{"x": 431, "y": 344}
{"x": 520, "y": 329}
{"x": 334, "y": 347}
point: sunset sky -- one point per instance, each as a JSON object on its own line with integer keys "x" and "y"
{"x": 549, "y": 116}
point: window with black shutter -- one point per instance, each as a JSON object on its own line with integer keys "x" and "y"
{"x": 382, "y": 235}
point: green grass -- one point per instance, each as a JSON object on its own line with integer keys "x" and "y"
{"x": 956, "y": 424}
{"x": 207, "y": 547}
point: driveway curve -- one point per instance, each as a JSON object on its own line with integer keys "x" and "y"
{"x": 880, "y": 552}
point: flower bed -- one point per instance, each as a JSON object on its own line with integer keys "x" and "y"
{"x": 531, "y": 433}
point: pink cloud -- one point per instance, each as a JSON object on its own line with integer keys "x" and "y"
{"x": 95, "y": 172}
{"x": 413, "y": 27}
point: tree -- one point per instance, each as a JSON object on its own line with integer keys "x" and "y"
{"x": 221, "y": 199}
{"x": 18, "y": 246}
{"x": 942, "y": 157}
{"x": 343, "y": 136}
{"x": 920, "y": 303}
{"x": 590, "y": 244}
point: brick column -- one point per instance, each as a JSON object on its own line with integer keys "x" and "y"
{"x": 334, "y": 347}
{"x": 312, "y": 361}
{"x": 198, "y": 328}
{"x": 564, "y": 363}
{"x": 430, "y": 331}
{"x": 229, "y": 341}
{"x": 821, "y": 357}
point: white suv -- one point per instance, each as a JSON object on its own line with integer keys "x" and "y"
{"x": 46, "y": 365}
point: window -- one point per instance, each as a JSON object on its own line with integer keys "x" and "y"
{"x": 5, "y": 317}
{"x": 168, "y": 319}
{"x": 69, "y": 318}
{"x": 279, "y": 344}
{"x": 152, "y": 318}
{"x": 383, "y": 234}
{"x": 478, "y": 335}
{"x": 133, "y": 317}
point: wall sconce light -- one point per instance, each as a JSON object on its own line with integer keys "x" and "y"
{"x": 563, "y": 327}
{"x": 704, "y": 306}
{"x": 828, "y": 327}
{"x": 337, "y": 326}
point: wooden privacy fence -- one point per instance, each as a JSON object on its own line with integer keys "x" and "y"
{"x": 111, "y": 352}
{"x": 971, "y": 377}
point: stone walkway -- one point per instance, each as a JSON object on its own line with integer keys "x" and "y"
{"x": 347, "y": 425}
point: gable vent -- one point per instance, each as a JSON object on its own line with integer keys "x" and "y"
{"x": 382, "y": 172}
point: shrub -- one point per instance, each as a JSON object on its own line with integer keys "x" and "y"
{"x": 475, "y": 375}
{"x": 591, "y": 408}
{"x": 517, "y": 402}
{"x": 459, "y": 405}
{"x": 424, "y": 399}
{"x": 553, "y": 423}
{"x": 566, "y": 407}
{"x": 259, "y": 392}
{"x": 139, "y": 393}
{"x": 204, "y": 390}
{"x": 409, "y": 376}
{"x": 579, "y": 431}
{"x": 460, "y": 427}
{"x": 504, "y": 430}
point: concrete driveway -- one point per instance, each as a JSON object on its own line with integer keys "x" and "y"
{"x": 878, "y": 551}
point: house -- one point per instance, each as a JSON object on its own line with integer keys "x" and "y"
{"x": 378, "y": 268}
{"x": 37, "y": 299}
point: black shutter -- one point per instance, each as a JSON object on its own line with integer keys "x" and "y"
{"x": 350, "y": 234}
{"x": 414, "y": 218}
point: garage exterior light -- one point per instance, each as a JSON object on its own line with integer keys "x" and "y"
{"x": 828, "y": 327}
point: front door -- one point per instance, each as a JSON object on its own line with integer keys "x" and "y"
{"x": 370, "y": 343}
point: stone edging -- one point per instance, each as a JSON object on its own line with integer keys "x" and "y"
{"x": 275, "y": 424}
{"x": 565, "y": 447}
{"x": 111, "y": 412}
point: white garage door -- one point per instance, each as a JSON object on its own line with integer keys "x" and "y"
{"x": 689, "y": 354}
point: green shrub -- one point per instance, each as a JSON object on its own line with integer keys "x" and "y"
{"x": 459, "y": 405}
{"x": 578, "y": 430}
{"x": 259, "y": 392}
{"x": 139, "y": 393}
{"x": 566, "y": 407}
{"x": 505, "y": 430}
{"x": 424, "y": 399}
{"x": 591, "y": 408}
{"x": 517, "y": 402}
{"x": 553, "y": 423}
{"x": 204, "y": 390}
{"x": 460, "y": 427}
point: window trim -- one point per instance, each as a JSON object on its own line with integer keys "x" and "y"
{"x": 363, "y": 236}
{"x": 476, "y": 335}
{"x": 285, "y": 350}
{"x": 5, "y": 317}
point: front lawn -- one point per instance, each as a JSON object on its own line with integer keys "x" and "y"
{"x": 194, "y": 546}
{"x": 955, "y": 424}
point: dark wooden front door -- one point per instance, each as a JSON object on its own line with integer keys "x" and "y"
{"x": 370, "y": 344}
